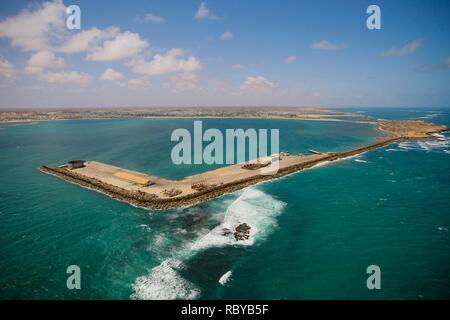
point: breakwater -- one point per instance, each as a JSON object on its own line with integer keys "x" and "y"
{"x": 151, "y": 201}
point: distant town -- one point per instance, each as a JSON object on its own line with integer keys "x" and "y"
{"x": 308, "y": 113}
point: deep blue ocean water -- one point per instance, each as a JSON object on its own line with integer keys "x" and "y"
{"x": 315, "y": 232}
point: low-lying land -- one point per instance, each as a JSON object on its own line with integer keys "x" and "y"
{"x": 409, "y": 128}
{"x": 307, "y": 113}
{"x": 157, "y": 193}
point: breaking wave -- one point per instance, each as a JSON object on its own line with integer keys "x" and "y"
{"x": 253, "y": 207}
{"x": 439, "y": 143}
{"x": 393, "y": 149}
{"x": 225, "y": 277}
{"x": 430, "y": 116}
{"x": 164, "y": 283}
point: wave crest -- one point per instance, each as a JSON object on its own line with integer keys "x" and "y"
{"x": 164, "y": 283}
{"x": 439, "y": 143}
{"x": 253, "y": 207}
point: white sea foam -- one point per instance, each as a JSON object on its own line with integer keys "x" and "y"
{"x": 430, "y": 116}
{"x": 225, "y": 277}
{"x": 164, "y": 283}
{"x": 395, "y": 150}
{"x": 406, "y": 145}
{"x": 362, "y": 161}
{"x": 423, "y": 145}
{"x": 324, "y": 163}
{"x": 439, "y": 136}
{"x": 438, "y": 144}
{"x": 159, "y": 240}
{"x": 253, "y": 207}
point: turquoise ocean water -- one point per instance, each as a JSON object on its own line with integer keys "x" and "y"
{"x": 315, "y": 232}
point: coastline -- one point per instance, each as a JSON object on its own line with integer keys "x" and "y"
{"x": 302, "y": 113}
{"x": 319, "y": 118}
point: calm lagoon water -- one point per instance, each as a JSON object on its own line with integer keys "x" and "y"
{"x": 316, "y": 232}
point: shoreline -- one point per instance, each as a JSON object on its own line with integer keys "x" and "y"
{"x": 319, "y": 118}
{"x": 305, "y": 113}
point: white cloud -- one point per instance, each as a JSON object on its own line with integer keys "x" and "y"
{"x": 204, "y": 13}
{"x": 70, "y": 77}
{"x": 7, "y": 69}
{"x": 124, "y": 45}
{"x": 184, "y": 81}
{"x": 87, "y": 40}
{"x": 407, "y": 49}
{"x": 290, "y": 59}
{"x": 43, "y": 28}
{"x": 135, "y": 83}
{"x": 226, "y": 36}
{"x": 327, "y": 45}
{"x": 34, "y": 30}
{"x": 165, "y": 64}
{"x": 238, "y": 66}
{"x": 259, "y": 84}
{"x": 42, "y": 60}
{"x": 153, "y": 18}
{"x": 111, "y": 75}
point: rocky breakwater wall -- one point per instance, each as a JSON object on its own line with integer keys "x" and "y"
{"x": 142, "y": 199}
{"x": 152, "y": 201}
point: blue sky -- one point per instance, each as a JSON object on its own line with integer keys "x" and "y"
{"x": 233, "y": 52}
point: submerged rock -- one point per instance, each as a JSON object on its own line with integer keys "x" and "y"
{"x": 242, "y": 232}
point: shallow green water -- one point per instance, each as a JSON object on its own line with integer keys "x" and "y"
{"x": 315, "y": 232}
